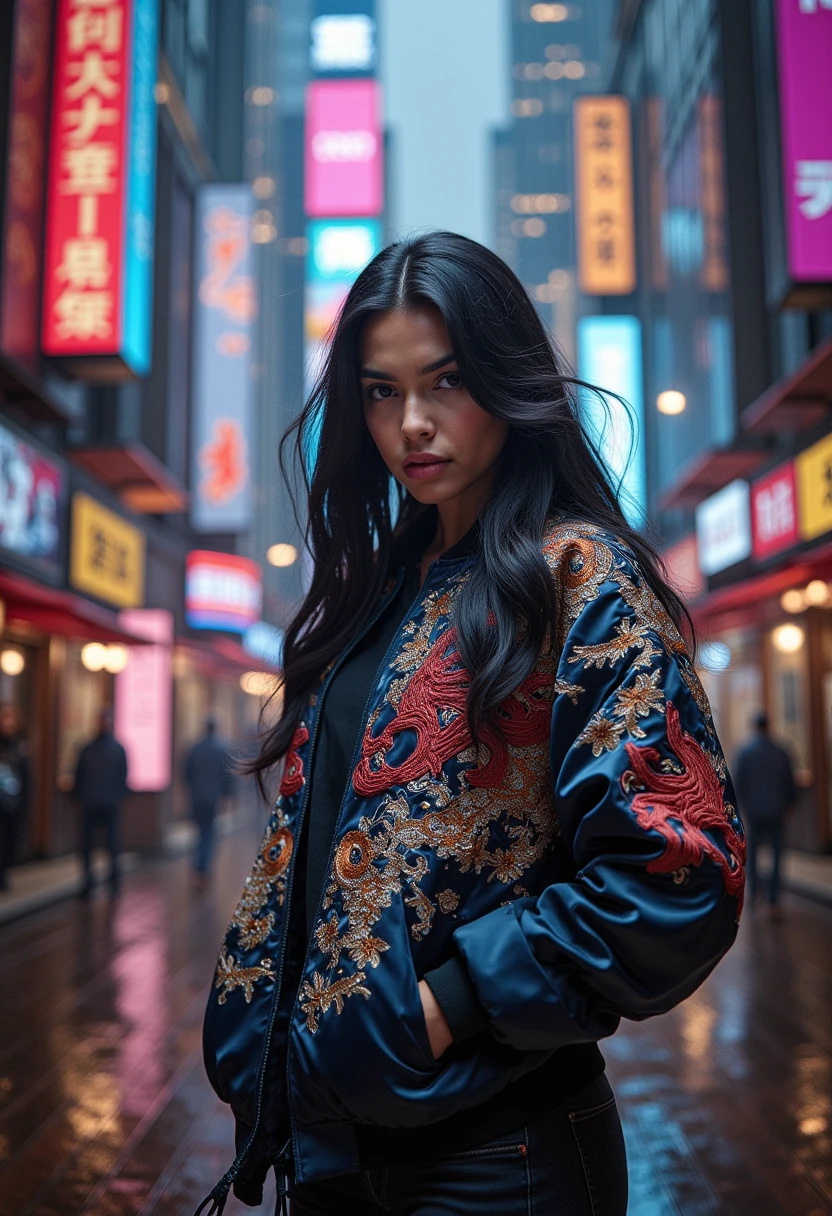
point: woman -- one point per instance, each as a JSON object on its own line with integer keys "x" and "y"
{"x": 504, "y": 819}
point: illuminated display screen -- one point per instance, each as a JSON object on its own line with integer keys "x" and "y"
{"x": 609, "y": 356}
{"x": 343, "y": 165}
{"x": 343, "y": 42}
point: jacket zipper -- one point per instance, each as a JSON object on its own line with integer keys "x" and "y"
{"x": 219, "y": 1194}
{"x": 333, "y": 845}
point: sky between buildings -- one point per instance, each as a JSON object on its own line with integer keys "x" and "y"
{"x": 445, "y": 68}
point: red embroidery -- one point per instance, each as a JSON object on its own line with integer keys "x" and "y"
{"x": 293, "y": 777}
{"x": 439, "y": 689}
{"x": 680, "y": 806}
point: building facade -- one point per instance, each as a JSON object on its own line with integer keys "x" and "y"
{"x": 734, "y": 226}
{"x": 98, "y": 472}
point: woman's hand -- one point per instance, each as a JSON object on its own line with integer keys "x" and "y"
{"x": 439, "y": 1032}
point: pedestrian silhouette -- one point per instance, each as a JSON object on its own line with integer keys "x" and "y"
{"x": 208, "y": 777}
{"x": 765, "y": 787}
{"x": 100, "y": 787}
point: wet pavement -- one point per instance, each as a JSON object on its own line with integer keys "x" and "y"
{"x": 104, "y": 1107}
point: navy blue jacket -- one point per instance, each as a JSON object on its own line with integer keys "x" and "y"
{"x": 586, "y": 867}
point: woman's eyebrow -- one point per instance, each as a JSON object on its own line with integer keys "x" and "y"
{"x": 371, "y": 374}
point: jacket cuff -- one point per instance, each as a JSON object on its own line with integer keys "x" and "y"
{"x": 457, "y": 998}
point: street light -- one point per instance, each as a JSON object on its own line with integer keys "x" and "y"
{"x": 671, "y": 401}
{"x": 281, "y": 555}
{"x": 12, "y": 662}
{"x": 787, "y": 638}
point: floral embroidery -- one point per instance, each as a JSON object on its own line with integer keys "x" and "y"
{"x": 448, "y": 901}
{"x": 489, "y": 808}
{"x": 231, "y": 975}
{"x": 681, "y": 806}
{"x": 317, "y": 997}
{"x": 293, "y": 778}
{"x": 253, "y": 919}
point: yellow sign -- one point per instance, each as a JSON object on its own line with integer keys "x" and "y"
{"x": 814, "y": 488}
{"x": 604, "y": 196}
{"x": 107, "y": 554}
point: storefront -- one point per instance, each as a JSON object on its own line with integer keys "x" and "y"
{"x": 767, "y": 632}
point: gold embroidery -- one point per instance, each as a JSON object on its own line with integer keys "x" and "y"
{"x": 448, "y": 900}
{"x": 267, "y": 874}
{"x": 317, "y": 997}
{"x": 231, "y": 975}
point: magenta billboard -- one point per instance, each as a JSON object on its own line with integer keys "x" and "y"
{"x": 804, "y": 55}
{"x": 343, "y": 170}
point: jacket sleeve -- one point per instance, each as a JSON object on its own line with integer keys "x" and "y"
{"x": 646, "y": 813}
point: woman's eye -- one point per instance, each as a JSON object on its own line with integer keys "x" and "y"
{"x": 450, "y": 380}
{"x": 381, "y": 392}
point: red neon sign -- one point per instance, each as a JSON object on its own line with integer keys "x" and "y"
{"x": 87, "y": 179}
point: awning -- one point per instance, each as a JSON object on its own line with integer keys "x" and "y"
{"x": 795, "y": 402}
{"x": 140, "y": 479}
{"x": 221, "y": 655}
{"x": 765, "y": 586}
{"x": 709, "y": 472}
{"x": 61, "y": 612}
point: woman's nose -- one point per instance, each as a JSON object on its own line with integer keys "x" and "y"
{"x": 416, "y": 421}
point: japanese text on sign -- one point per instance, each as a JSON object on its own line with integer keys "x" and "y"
{"x": 87, "y": 175}
{"x": 107, "y": 554}
{"x": 603, "y": 176}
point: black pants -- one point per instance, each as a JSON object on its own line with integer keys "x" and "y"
{"x": 9, "y": 832}
{"x": 204, "y": 812}
{"x": 764, "y": 832}
{"x": 569, "y": 1163}
{"x": 103, "y": 821}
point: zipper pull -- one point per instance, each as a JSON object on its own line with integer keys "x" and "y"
{"x": 281, "y": 1208}
{"x": 217, "y": 1198}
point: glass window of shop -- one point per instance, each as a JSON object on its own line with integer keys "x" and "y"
{"x": 186, "y": 41}
{"x": 736, "y": 693}
{"x": 19, "y": 667}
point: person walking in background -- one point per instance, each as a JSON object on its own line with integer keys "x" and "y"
{"x": 100, "y": 787}
{"x": 208, "y": 777}
{"x": 764, "y": 782}
{"x": 14, "y": 787}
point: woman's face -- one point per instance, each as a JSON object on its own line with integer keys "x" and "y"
{"x": 431, "y": 434}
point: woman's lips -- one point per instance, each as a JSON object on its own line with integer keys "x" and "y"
{"x": 421, "y": 470}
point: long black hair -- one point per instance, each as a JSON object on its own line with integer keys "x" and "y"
{"x": 355, "y": 509}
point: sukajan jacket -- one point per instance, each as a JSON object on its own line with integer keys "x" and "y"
{"x": 588, "y": 866}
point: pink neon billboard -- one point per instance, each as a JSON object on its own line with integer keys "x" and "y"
{"x": 343, "y": 174}
{"x": 804, "y": 55}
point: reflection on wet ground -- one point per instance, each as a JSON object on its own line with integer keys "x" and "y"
{"x": 104, "y": 1107}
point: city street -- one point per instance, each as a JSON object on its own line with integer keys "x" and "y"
{"x": 105, "y": 1109}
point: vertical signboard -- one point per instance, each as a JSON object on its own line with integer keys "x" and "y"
{"x": 609, "y": 355}
{"x": 343, "y": 162}
{"x": 813, "y": 473}
{"x": 21, "y": 254}
{"x": 723, "y": 528}
{"x": 804, "y": 55}
{"x": 337, "y": 252}
{"x": 143, "y": 698}
{"x": 604, "y": 196}
{"x": 774, "y": 511}
{"x": 99, "y": 245}
{"x": 224, "y": 316}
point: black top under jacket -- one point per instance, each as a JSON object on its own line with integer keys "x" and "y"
{"x": 569, "y": 1070}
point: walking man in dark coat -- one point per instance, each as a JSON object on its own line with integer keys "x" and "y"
{"x": 100, "y": 787}
{"x": 766, "y": 790}
{"x": 14, "y": 787}
{"x": 208, "y": 777}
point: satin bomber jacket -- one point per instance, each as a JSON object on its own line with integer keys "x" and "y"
{"x": 588, "y": 866}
